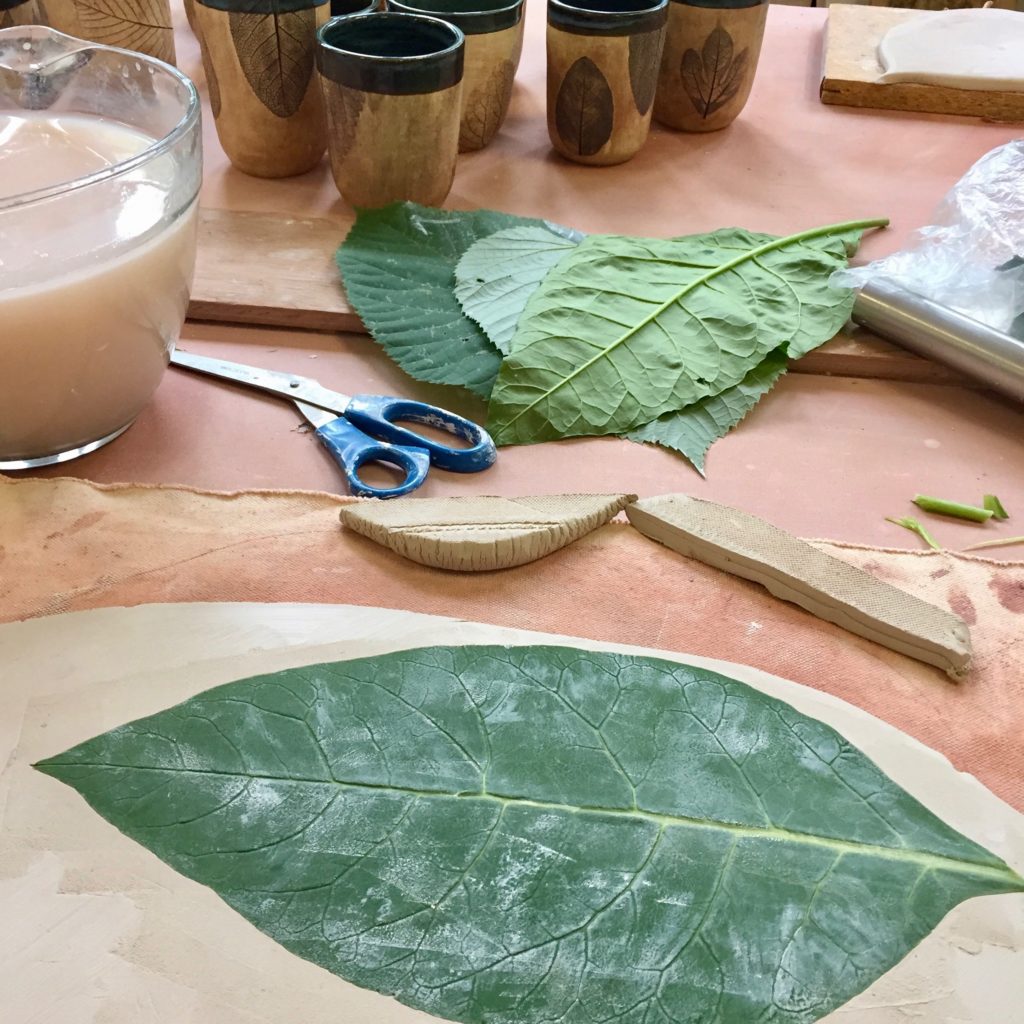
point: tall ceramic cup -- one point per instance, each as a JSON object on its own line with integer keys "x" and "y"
{"x": 602, "y": 71}
{"x": 20, "y": 12}
{"x": 140, "y": 25}
{"x": 392, "y": 87}
{"x": 260, "y": 62}
{"x": 708, "y": 65}
{"x": 494, "y": 44}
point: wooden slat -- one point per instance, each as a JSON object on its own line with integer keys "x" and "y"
{"x": 270, "y": 269}
{"x": 851, "y": 68}
{"x": 279, "y": 271}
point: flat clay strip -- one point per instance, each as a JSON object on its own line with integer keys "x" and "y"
{"x": 476, "y": 534}
{"x": 793, "y": 570}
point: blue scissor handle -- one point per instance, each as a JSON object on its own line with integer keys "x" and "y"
{"x": 351, "y": 449}
{"x": 376, "y": 414}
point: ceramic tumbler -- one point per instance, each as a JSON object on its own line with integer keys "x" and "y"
{"x": 494, "y": 44}
{"x": 141, "y": 25}
{"x": 708, "y": 65}
{"x": 602, "y": 71}
{"x": 20, "y": 12}
{"x": 260, "y": 62}
{"x": 392, "y": 86}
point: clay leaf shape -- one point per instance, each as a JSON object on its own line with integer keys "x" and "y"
{"x": 142, "y": 25}
{"x": 481, "y": 533}
{"x": 793, "y": 570}
{"x": 644, "y": 57}
{"x": 276, "y": 52}
{"x": 584, "y": 108}
{"x": 714, "y": 76}
{"x": 486, "y": 107}
{"x": 623, "y": 330}
{"x": 513, "y": 835}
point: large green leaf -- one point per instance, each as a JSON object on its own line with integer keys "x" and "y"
{"x": 693, "y": 430}
{"x": 624, "y": 330}
{"x": 398, "y": 267}
{"x": 497, "y": 275}
{"x": 518, "y": 835}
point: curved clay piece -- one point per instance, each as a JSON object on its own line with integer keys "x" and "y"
{"x": 481, "y": 533}
{"x": 794, "y": 570}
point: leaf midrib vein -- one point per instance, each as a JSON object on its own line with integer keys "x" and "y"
{"x": 927, "y": 860}
{"x": 748, "y": 254}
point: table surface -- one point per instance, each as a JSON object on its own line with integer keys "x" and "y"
{"x": 821, "y": 456}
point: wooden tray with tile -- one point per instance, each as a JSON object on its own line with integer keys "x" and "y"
{"x": 295, "y": 284}
{"x": 851, "y": 68}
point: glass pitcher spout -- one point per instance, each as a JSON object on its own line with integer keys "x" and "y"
{"x": 36, "y": 63}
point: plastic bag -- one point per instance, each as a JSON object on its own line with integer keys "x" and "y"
{"x": 972, "y": 257}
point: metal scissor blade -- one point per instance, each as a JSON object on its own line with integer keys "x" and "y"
{"x": 284, "y": 385}
{"x": 318, "y": 417}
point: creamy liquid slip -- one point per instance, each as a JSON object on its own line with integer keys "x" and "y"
{"x": 94, "y": 283}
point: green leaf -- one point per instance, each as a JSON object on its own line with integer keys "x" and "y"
{"x": 693, "y": 430}
{"x": 528, "y": 834}
{"x": 497, "y": 275}
{"x": 624, "y": 330}
{"x": 398, "y": 268}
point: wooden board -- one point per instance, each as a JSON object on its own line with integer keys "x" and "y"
{"x": 851, "y": 68}
{"x": 270, "y": 269}
{"x": 274, "y": 270}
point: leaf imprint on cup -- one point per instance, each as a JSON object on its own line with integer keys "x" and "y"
{"x": 212, "y": 85}
{"x": 487, "y": 107}
{"x": 344, "y": 105}
{"x": 584, "y": 107}
{"x": 276, "y": 55}
{"x": 143, "y": 25}
{"x": 644, "y": 54}
{"x": 713, "y": 77}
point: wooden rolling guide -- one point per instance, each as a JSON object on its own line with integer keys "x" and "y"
{"x": 851, "y": 68}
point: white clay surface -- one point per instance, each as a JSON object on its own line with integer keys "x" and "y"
{"x": 976, "y": 48}
{"x": 96, "y": 930}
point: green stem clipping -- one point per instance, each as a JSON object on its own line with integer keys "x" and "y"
{"x": 953, "y": 508}
{"x": 915, "y": 527}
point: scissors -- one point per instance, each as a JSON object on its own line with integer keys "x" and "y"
{"x": 361, "y": 429}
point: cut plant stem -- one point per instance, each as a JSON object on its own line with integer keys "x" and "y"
{"x": 952, "y": 508}
{"x": 914, "y": 526}
{"x": 997, "y": 543}
{"x": 995, "y": 506}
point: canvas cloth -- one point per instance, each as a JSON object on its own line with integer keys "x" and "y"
{"x": 69, "y": 544}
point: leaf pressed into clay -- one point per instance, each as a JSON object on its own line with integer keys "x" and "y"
{"x": 496, "y": 276}
{"x": 527, "y": 834}
{"x": 584, "y": 108}
{"x": 486, "y": 107}
{"x": 475, "y": 534}
{"x": 398, "y": 267}
{"x": 276, "y": 53}
{"x": 714, "y": 76}
{"x": 693, "y": 430}
{"x": 644, "y": 57}
{"x": 142, "y": 25}
{"x": 212, "y": 85}
{"x": 624, "y": 330}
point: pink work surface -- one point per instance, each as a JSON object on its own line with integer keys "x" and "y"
{"x": 819, "y": 456}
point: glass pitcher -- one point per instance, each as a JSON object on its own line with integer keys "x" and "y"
{"x": 100, "y": 168}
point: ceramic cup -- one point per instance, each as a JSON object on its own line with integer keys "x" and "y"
{"x": 20, "y": 12}
{"x": 392, "y": 86}
{"x": 708, "y": 65}
{"x": 144, "y": 26}
{"x": 602, "y": 71}
{"x": 260, "y": 62}
{"x": 494, "y": 44}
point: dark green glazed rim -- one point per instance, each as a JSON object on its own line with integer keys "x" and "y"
{"x": 6, "y": 5}
{"x": 723, "y": 5}
{"x": 261, "y": 6}
{"x": 607, "y": 17}
{"x": 339, "y": 8}
{"x": 391, "y": 53}
{"x": 474, "y": 17}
